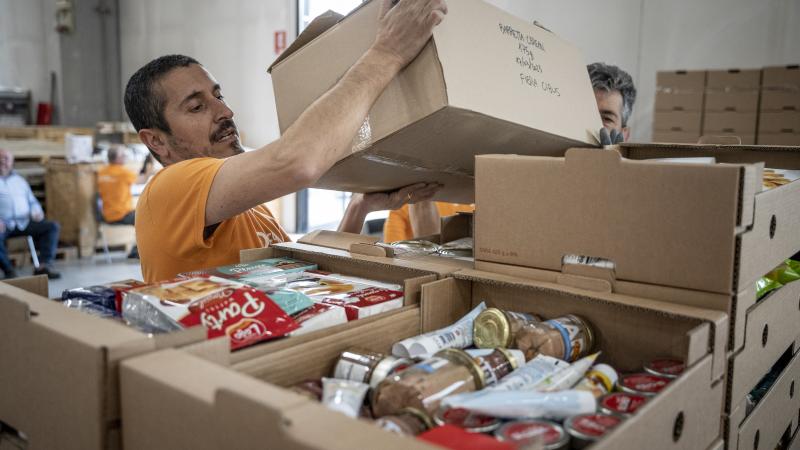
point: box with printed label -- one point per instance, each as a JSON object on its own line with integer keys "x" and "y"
{"x": 244, "y": 404}
{"x": 541, "y": 99}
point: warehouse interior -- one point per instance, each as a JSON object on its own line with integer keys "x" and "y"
{"x": 455, "y": 187}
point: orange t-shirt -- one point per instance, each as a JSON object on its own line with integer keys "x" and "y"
{"x": 170, "y": 221}
{"x": 398, "y": 224}
{"x": 114, "y": 183}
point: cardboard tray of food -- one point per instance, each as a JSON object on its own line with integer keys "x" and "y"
{"x": 206, "y": 400}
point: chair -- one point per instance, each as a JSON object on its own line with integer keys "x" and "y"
{"x": 120, "y": 234}
{"x": 22, "y": 243}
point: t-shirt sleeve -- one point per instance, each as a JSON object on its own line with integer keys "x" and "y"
{"x": 177, "y": 205}
{"x": 397, "y": 226}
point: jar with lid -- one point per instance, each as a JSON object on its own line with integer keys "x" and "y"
{"x": 496, "y": 328}
{"x": 569, "y": 338}
{"x": 408, "y": 422}
{"x": 367, "y": 366}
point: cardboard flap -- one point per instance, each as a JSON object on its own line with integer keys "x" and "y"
{"x": 662, "y": 223}
{"x": 317, "y": 26}
{"x": 336, "y": 239}
{"x": 372, "y": 250}
{"x": 255, "y": 254}
{"x": 456, "y": 227}
{"x": 35, "y": 284}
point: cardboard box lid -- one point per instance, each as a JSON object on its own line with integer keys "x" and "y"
{"x": 319, "y": 25}
{"x": 678, "y": 227}
{"x": 681, "y": 80}
{"x": 734, "y": 78}
{"x": 781, "y": 76}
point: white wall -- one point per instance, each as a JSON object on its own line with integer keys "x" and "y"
{"x": 29, "y": 46}
{"x": 233, "y": 39}
{"x": 644, "y": 36}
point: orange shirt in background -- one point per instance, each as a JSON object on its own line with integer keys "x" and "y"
{"x": 398, "y": 225}
{"x": 114, "y": 183}
{"x": 170, "y": 221}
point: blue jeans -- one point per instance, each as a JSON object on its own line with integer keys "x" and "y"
{"x": 45, "y": 237}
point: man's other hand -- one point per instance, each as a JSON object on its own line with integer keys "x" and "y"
{"x": 406, "y": 26}
{"x": 37, "y": 216}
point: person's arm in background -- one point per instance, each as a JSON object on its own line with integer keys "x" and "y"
{"x": 425, "y": 219}
{"x": 322, "y": 135}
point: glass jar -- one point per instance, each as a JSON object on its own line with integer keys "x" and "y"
{"x": 569, "y": 338}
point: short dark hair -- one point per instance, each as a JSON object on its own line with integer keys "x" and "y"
{"x": 112, "y": 153}
{"x": 143, "y": 103}
{"x": 611, "y": 78}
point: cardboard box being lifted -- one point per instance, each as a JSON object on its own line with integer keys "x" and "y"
{"x": 487, "y": 82}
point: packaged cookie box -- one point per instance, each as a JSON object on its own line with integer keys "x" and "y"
{"x": 59, "y": 381}
{"x": 200, "y": 397}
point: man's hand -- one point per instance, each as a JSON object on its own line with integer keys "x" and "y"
{"x": 382, "y": 201}
{"x": 37, "y": 216}
{"x": 406, "y": 26}
{"x": 613, "y": 138}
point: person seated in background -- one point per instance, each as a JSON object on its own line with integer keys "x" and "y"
{"x": 615, "y": 94}
{"x": 114, "y": 183}
{"x": 22, "y": 215}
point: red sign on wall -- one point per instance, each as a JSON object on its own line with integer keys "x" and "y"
{"x": 280, "y": 41}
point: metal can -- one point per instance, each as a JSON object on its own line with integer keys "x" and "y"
{"x": 665, "y": 367}
{"x": 550, "y": 435}
{"x": 497, "y": 328}
{"x": 466, "y": 419}
{"x": 367, "y": 367}
{"x": 643, "y": 383}
{"x": 621, "y": 404}
{"x": 586, "y": 429}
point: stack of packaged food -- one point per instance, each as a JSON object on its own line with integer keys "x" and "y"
{"x": 248, "y": 302}
{"x": 498, "y": 375}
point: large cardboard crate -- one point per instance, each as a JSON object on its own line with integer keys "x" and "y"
{"x": 59, "y": 379}
{"x": 734, "y": 79}
{"x": 680, "y": 137}
{"x": 206, "y": 401}
{"x": 731, "y": 123}
{"x": 437, "y": 114}
{"x": 685, "y": 121}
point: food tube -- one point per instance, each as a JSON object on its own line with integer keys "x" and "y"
{"x": 458, "y": 335}
{"x": 527, "y": 404}
{"x": 535, "y": 371}
{"x": 344, "y": 396}
{"x": 568, "y": 376}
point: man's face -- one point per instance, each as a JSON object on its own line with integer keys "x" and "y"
{"x": 201, "y": 123}
{"x": 609, "y": 103}
{"x": 6, "y": 162}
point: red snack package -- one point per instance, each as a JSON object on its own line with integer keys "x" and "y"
{"x": 367, "y": 302}
{"x": 121, "y": 287}
{"x": 456, "y": 438}
{"x": 245, "y": 315}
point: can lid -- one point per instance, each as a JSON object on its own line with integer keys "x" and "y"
{"x": 667, "y": 367}
{"x": 591, "y": 427}
{"x": 606, "y": 374}
{"x": 466, "y": 419}
{"x": 525, "y": 432}
{"x": 643, "y": 383}
{"x": 462, "y": 358}
{"x": 621, "y": 403}
{"x": 514, "y": 356}
{"x": 386, "y": 367}
{"x": 491, "y": 329}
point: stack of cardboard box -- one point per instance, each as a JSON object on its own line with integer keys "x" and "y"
{"x": 679, "y": 106}
{"x": 780, "y": 106}
{"x": 731, "y": 105}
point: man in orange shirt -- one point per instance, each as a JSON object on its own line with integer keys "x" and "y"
{"x": 208, "y": 201}
{"x": 114, "y": 183}
{"x": 419, "y": 219}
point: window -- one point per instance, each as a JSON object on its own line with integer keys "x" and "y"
{"x": 317, "y": 208}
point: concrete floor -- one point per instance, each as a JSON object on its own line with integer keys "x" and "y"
{"x": 90, "y": 271}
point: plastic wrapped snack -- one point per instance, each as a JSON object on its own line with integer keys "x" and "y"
{"x": 765, "y": 285}
{"x": 264, "y": 274}
{"x": 108, "y": 296}
{"x": 244, "y": 314}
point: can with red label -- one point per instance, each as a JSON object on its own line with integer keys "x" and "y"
{"x": 550, "y": 435}
{"x": 468, "y": 420}
{"x": 643, "y": 383}
{"x": 586, "y": 429}
{"x": 622, "y": 404}
{"x": 665, "y": 367}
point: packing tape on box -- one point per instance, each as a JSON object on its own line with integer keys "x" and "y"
{"x": 363, "y": 138}
{"x": 409, "y": 163}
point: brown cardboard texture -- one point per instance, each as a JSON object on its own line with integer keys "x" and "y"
{"x": 779, "y": 139}
{"x": 688, "y": 121}
{"x": 776, "y": 413}
{"x": 729, "y": 122}
{"x": 779, "y": 122}
{"x": 734, "y": 78}
{"x": 781, "y": 76}
{"x": 679, "y": 137}
{"x": 682, "y": 80}
{"x": 780, "y": 99}
{"x": 739, "y": 101}
{"x": 434, "y": 117}
{"x": 219, "y": 406}
{"x": 679, "y": 101}
{"x": 712, "y": 230}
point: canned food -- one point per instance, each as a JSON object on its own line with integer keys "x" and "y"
{"x": 643, "y": 383}
{"x": 497, "y": 328}
{"x": 466, "y": 419}
{"x": 551, "y": 436}
{"x": 665, "y": 367}
{"x": 586, "y": 429}
{"x": 621, "y": 403}
{"x": 367, "y": 367}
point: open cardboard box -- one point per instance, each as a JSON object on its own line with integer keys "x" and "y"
{"x": 437, "y": 114}
{"x": 59, "y": 382}
{"x": 207, "y": 401}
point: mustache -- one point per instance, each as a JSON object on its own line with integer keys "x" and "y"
{"x": 224, "y": 128}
